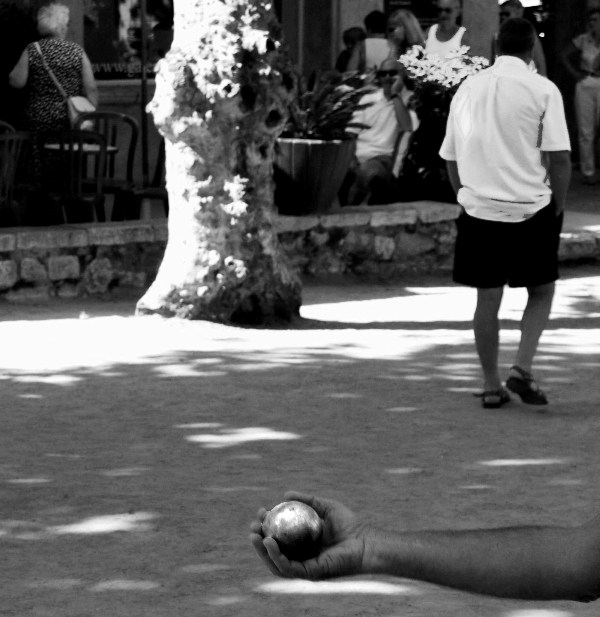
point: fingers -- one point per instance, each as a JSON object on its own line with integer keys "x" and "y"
{"x": 258, "y": 544}
{"x": 321, "y": 506}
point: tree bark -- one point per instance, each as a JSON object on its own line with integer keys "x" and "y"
{"x": 221, "y": 100}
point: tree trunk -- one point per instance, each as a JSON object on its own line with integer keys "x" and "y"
{"x": 221, "y": 101}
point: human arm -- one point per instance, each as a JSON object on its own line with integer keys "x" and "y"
{"x": 89, "y": 82}
{"x": 358, "y": 52}
{"x": 452, "y": 167}
{"x": 17, "y": 78}
{"x": 400, "y": 109}
{"x": 567, "y": 55}
{"x": 538, "y": 57}
{"x": 559, "y": 172}
{"x": 534, "y": 563}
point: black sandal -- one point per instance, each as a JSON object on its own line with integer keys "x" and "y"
{"x": 493, "y": 399}
{"x": 526, "y": 387}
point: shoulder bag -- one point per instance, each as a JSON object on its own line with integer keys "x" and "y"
{"x": 76, "y": 105}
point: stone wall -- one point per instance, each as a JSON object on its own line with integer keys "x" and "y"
{"x": 380, "y": 242}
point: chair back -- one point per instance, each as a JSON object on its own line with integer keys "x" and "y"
{"x": 5, "y": 127}
{"x": 14, "y": 147}
{"x": 73, "y": 162}
{"x": 120, "y": 131}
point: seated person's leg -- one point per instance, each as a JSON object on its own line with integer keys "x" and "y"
{"x": 367, "y": 172}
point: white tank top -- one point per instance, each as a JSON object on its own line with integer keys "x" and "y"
{"x": 443, "y": 48}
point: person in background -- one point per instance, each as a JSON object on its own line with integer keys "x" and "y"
{"x": 541, "y": 562}
{"x": 17, "y": 30}
{"x": 45, "y": 108}
{"x": 507, "y": 152}
{"x": 446, "y": 36}
{"x": 581, "y": 57}
{"x": 351, "y": 37}
{"x": 514, "y": 8}
{"x": 404, "y": 31}
{"x": 385, "y": 116}
{"x": 370, "y": 53}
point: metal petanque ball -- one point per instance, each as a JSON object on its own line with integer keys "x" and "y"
{"x": 297, "y": 529}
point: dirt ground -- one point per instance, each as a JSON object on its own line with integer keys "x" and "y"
{"x": 135, "y": 451}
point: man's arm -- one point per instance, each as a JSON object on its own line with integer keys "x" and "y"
{"x": 538, "y": 57}
{"x": 559, "y": 171}
{"x": 534, "y": 563}
{"x": 452, "y": 168}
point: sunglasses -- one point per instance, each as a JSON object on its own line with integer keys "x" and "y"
{"x": 504, "y": 14}
{"x": 391, "y": 73}
{"x": 445, "y": 10}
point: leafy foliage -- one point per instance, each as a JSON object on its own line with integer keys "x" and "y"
{"x": 323, "y": 107}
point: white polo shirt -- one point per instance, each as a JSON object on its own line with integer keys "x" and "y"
{"x": 501, "y": 121}
{"x": 381, "y": 132}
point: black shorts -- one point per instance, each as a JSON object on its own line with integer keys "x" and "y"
{"x": 493, "y": 254}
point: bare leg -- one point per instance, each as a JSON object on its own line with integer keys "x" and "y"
{"x": 487, "y": 336}
{"x": 533, "y": 323}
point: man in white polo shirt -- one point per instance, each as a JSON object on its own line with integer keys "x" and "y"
{"x": 508, "y": 155}
{"x": 386, "y": 115}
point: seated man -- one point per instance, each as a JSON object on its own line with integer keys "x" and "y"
{"x": 386, "y": 118}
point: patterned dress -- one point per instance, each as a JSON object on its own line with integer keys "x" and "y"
{"x": 45, "y": 108}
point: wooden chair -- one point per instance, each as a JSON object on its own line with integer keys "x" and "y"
{"x": 5, "y": 127}
{"x": 73, "y": 173}
{"x": 121, "y": 133}
{"x": 156, "y": 189}
{"x": 14, "y": 147}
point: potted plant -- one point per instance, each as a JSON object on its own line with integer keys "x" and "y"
{"x": 315, "y": 148}
{"x": 434, "y": 81}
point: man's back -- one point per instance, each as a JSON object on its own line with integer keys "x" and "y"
{"x": 501, "y": 119}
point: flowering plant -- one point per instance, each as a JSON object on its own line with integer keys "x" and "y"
{"x": 324, "y": 107}
{"x": 435, "y": 79}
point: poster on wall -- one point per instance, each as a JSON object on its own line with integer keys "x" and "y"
{"x": 113, "y": 36}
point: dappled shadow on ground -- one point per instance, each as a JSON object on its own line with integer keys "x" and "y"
{"x": 134, "y": 453}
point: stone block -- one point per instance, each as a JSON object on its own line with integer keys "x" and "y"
{"x": 67, "y": 290}
{"x": 436, "y": 212}
{"x": 578, "y": 245}
{"x": 326, "y": 263}
{"x": 39, "y": 293}
{"x": 345, "y": 219}
{"x": 383, "y": 247}
{"x": 52, "y": 237}
{"x": 285, "y": 224}
{"x": 395, "y": 214}
{"x": 63, "y": 267}
{"x": 357, "y": 244}
{"x": 98, "y": 276}
{"x": 409, "y": 245}
{"x": 8, "y": 242}
{"x": 113, "y": 234}
{"x": 318, "y": 239}
{"x": 8, "y": 273}
{"x": 33, "y": 271}
{"x": 161, "y": 231}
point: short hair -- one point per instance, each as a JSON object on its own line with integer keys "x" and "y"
{"x": 515, "y": 4}
{"x": 52, "y": 19}
{"x": 353, "y": 35}
{"x": 375, "y": 22}
{"x": 516, "y": 37}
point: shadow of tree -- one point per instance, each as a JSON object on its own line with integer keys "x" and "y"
{"x": 153, "y": 443}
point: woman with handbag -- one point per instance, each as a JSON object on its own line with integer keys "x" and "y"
{"x": 53, "y": 71}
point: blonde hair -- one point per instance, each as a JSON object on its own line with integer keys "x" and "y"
{"x": 53, "y": 19}
{"x": 413, "y": 32}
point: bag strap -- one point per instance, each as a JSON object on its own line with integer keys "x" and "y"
{"x": 50, "y": 72}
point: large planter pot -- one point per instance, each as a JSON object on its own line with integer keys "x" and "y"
{"x": 309, "y": 173}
